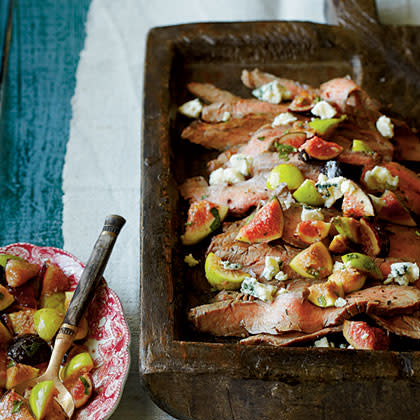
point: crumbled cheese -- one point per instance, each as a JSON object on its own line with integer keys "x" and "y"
{"x": 364, "y": 336}
{"x": 226, "y": 116}
{"x": 323, "y": 342}
{"x": 272, "y": 92}
{"x": 225, "y": 176}
{"x": 191, "y": 109}
{"x": 330, "y": 189}
{"x": 251, "y": 286}
{"x": 403, "y": 273}
{"x": 350, "y": 347}
{"x": 282, "y": 291}
{"x": 280, "y": 276}
{"x": 348, "y": 187}
{"x": 284, "y": 118}
{"x": 340, "y": 302}
{"x": 242, "y": 163}
{"x": 309, "y": 213}
{"x": 323, "y": 110}
{"x": 338, "y": 266}
{"x": 190, "y": 260}
{"x": 287, "y": 201}
{"x": 385, "y": 126}
{"x": 227, "y": 265}
{"x": 380, "y": 179}
{"x": 271, "y": 267}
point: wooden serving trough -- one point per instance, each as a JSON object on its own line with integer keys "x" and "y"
{"x": 199, "y": 377}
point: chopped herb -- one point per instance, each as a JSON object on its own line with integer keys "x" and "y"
{"x": 286, "y": 132}
{"x": 188, "y": 223}
{"x": 203, "y": 197}
{"x": 32, "y": 349}
{"x": 417, "y": 233}
{"x": 1, "y": 296}
{"x": 317, "y": 99}
{"x": 16, "y": 406}
{"x": 262, "y": 138}
{"x": 299, "y": 124}
{"x": 11, "y": 364}
{"x": 287, "y": 312}
{"x": 322, "y": 301}
{"x": 216, "y": 222}
{"x": 86, "y": 385}
{"x": 284, "y": 150}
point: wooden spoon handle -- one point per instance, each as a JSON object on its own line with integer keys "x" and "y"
{"x": 94, "y": 269}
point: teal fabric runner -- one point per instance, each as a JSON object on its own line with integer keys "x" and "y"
{"x": 48, "y": 36}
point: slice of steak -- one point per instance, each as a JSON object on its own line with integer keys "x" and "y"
{"x": 239, "y": 197}
{"x": 405, "y": 325}
{"x": 288, "y": 312}
{"x": 218, "y": 111}
{"x": 407, "y": 144}
{"x": 210, "y": 93}
{"x": 387, "y": 300}
{"x": 226, "y": 134}
{"x": 404, "y": 243}
{"x": 289, "y": 338}
{"x": 256, "y": 78}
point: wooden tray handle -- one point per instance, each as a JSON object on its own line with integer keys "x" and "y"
{"x": 350, "y": 13}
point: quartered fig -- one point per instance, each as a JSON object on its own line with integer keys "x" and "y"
{"x": 349, "y": 279}
{"x": 265, "y": 226}
{"x": 327, "y": 126}
{"x": 311, "y": 231}
{"x": 307, "y": 193}
{"x": 363, "y": 263}
{"x": 325, "y": 294}
{"x": 347, "y": 226}
{"x": 320, "y": 149}
{"x": 285, "y": 173}
{"x": 339, "y": 244}
{"x": 355, "y": 202}
{"x": 362, "y": 336}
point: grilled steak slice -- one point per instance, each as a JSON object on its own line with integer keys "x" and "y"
{"x": 239, "y": 197}
{"x": 387, "y": 300}
{"x": 404, "y": 243}
{"x": 256, "y": 78}
{"x": 210, "y": 93}
{"x": 291, "y": 311}
{"x": 407, "y": 144}
{"x": 288, "y": 312}
{"x": 227, "y": 134}
{"x": 405, "y": 325}
{"x": 288, "y": 338}
{"x": 216, "y": 112}
{"x": 408, "y": 185}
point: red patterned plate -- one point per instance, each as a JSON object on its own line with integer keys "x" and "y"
{"x": 109, "y": 336}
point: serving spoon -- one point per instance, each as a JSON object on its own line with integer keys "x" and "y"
{"x": 83, "y": 294}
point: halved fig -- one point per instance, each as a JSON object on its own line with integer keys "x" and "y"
{"x": 320, "y": 149}
{"x": 81, "y": 389}
{"x": 349, "y": 279}
{"x": 303, "y": 102}
{"x": 313, "y": 262}
{"x": 361, "y": 335}
{"x": 355, "y": 202}
{"x": 363, "y": 263}
{"x": 204, "y": 217}
{"x": 220, "y": 277}
{"x": 311, "y": 231}
{"x": 19, "y": 271}
{"x": 339, "y": 244}
{"x": 265, "y": 226}
{"x": 388, "y": 207}
{"x": 369, "y": 238}
{"x": 294, "y": 139}
{"x": 347, "y": 226}
{"x": 325, "y": 294}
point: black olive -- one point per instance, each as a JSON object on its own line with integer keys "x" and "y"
{"x": 29, "y": 349}
{"x": 304, "y": 156}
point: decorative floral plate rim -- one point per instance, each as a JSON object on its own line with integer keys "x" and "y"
{"x": 109, "y": 336}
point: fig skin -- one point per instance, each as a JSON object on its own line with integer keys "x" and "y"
{"x": 364, "y": 337}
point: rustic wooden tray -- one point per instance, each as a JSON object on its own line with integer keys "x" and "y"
{"x": 196, "y": 377}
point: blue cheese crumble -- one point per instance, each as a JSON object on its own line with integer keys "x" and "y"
{"x": 272, "y": 92}
{"x": 271, "y": 267}
{"x": 330, "y": 189}
{"x": 385, "y": 126}
{"x": 284, "y": 118}
{"x": 191, "y": 109}
{"x": 403, "y": 273}
{"x": 323, "y": 110}
{"x": 251, "y": 286}
{"x": 242, "y": 163}
{"x": 225, "y": 176}
{"x": 309, "y": 213}
{"x": 380, "y": 179}
{"x": 227, "y": 265}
